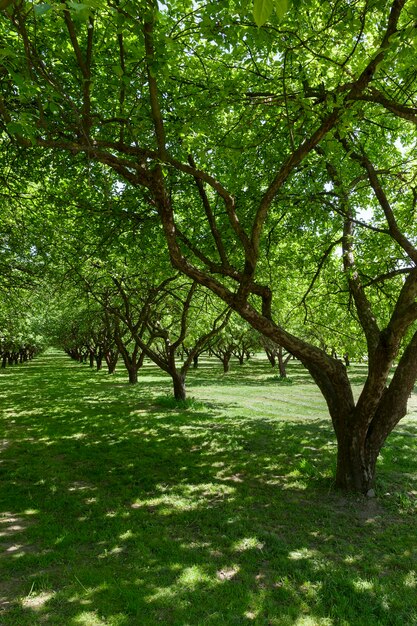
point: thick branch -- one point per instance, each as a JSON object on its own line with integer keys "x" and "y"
{"x": 405, "y": 311}
{"x": 400, "y": 110}
{"x": 393, "y": 406}
{"x": 210, "y": 216}
{"x": 184, "y": 316}
{"x": 84, "y": 65}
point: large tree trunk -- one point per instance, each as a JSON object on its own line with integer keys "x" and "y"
{"x": 380, "y": 407}
{"x": 111, "y": 367}
{"x": 356, "y": 461}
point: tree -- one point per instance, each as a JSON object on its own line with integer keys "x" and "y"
{"x": 159, "y": 318}
{"x": 246, "y": 340}
{"x": 275, "y": 353}
{"x": 229, "y": 132}
{"x": 223, "y": 347}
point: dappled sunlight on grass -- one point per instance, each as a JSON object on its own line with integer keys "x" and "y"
{"x": 119, "y": 511}
{"x": 184, "y": 498}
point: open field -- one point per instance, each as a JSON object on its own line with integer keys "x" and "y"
{"x": 119, "y": 509}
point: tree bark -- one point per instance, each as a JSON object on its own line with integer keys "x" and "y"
{"x": 356, "y": 461}
{"x": 281, "y": 364}
{"x": 226, "y": 363}
{"x": 271, "y": 357}
{"x": 111, "y": 361}
{"x": 179, "y": 386}
{"x": 133, "y": 374}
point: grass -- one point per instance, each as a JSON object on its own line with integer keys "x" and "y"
{"x": 119, "y": 507}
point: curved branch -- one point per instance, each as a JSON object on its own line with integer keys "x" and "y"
{"x": 376, "y": 97}
{"x": 319, "y": 268}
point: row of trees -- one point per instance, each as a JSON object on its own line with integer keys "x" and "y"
{"x": 100, "y": 336}
{"x": 18, "y": 347}
{"x": 22, "y": 327}
{"x": 21, "y": 318}
{"x": 171, "y": 322}
{"x": 278, "y": 161}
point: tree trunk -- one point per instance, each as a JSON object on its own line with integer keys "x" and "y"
{"x": 356, "y": 461}
{"x": 281, "y": 364}
{"x": 195, "y": 361}
{"x": 141, "y": 359}
{"x": 99, "y": 359}
{"x": 271, "y": 357}
{"x": 226, "y": 361}
{"x": 111, "y": 361}
{"x": 362, "y": 433}
{"x": 111, "y": 367}
{"x": 133, "y": 375}
{"x": 179, "y": 386}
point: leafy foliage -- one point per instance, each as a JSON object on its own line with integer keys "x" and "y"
{"x": 277, "y": 163}
{"x": 262, "y": 10}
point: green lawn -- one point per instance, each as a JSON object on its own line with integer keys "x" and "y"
{"x": 119, "y": 510}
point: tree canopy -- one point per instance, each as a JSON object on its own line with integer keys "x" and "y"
{"x": 278, "y": 160}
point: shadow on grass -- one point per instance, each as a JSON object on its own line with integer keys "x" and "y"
{"x": 119, "y": 515}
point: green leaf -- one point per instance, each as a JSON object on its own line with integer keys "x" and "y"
{"x": 41, "y": 9}
{"x": 118, "y": 70}
{"x": 15, "y": 128}
{"x": 53, "y": 107}
{"x": 6, "y": 52}
{"x": 281, "y": 8}
{"x": 262, "y": 10}
{"x": 81, "y": 10}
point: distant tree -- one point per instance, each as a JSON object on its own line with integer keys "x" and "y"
{"x": 159, "y": 318}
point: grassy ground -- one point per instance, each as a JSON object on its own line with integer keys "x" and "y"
{"x": 117, "y": 509}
